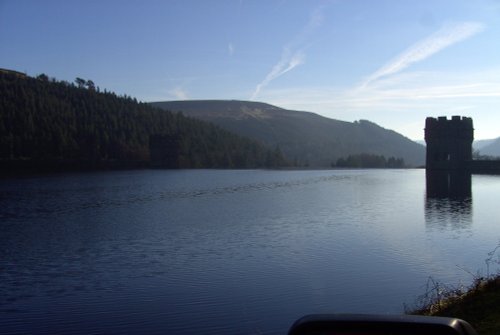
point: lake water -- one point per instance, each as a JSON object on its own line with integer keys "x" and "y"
{"x": 229, "y": 252}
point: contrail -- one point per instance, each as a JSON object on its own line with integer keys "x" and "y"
{"x": 287, "y": 62}
{"x": 427, "y": 47}
{"x": 293, "y": 54}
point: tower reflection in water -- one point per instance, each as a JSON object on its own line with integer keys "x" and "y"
{"x": 448, "y": 204}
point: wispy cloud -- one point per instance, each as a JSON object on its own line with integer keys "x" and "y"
{"x": 230, "y": 49}
{"x": 441, "y": 39}
{"x": 293, "y": 54}
{"x": 178, "y": 93}
{"x": 395, "y": 93}
{"x": 287, "y": 63}
{"x": 401, "y": 101}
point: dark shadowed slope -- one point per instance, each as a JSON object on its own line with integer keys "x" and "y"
{"x": 306, "y": 138}
{"x": 50, "y": 125}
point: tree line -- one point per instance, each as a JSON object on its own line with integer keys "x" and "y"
{"x": 369, "y": 161}
{"x": 50, "y": 124}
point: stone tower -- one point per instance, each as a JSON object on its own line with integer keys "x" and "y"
{"x": 449, "y": 143}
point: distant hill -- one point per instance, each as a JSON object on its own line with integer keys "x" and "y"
{"x": 492, "y": 148}
{"x": 49, "y": 125}
{"x": 305, "y": 138}
{"x": 489, "y": 147}
{"x": 480, "y": 144}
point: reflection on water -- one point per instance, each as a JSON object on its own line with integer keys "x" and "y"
{"x": 229, "y": 252}
{"x": 449, "y": 214}
{"x": 448, "y": 203}
{"x": 448, "y": 184}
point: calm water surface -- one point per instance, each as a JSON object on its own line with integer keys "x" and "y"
{"x": 229, "y": 252}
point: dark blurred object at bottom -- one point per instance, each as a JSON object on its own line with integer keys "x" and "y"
{"x": 359, "y": 324}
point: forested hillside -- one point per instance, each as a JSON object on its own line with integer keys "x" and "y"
{"x": 53, "y": 125}
{"x": 305, "y": 138}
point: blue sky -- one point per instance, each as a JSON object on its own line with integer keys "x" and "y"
{"x": 391, "y": 62}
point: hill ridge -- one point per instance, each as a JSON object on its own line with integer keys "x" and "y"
{"x": 304, "y": 137}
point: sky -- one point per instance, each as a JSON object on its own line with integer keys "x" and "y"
{"x": 392, "y": 62}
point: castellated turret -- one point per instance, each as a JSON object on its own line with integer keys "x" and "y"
{"x": 449, "y": 143}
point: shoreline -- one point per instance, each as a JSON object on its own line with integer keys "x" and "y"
{"x": 479, "y": 304}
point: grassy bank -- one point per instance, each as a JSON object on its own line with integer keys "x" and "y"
{"x": 479, "y": 305}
